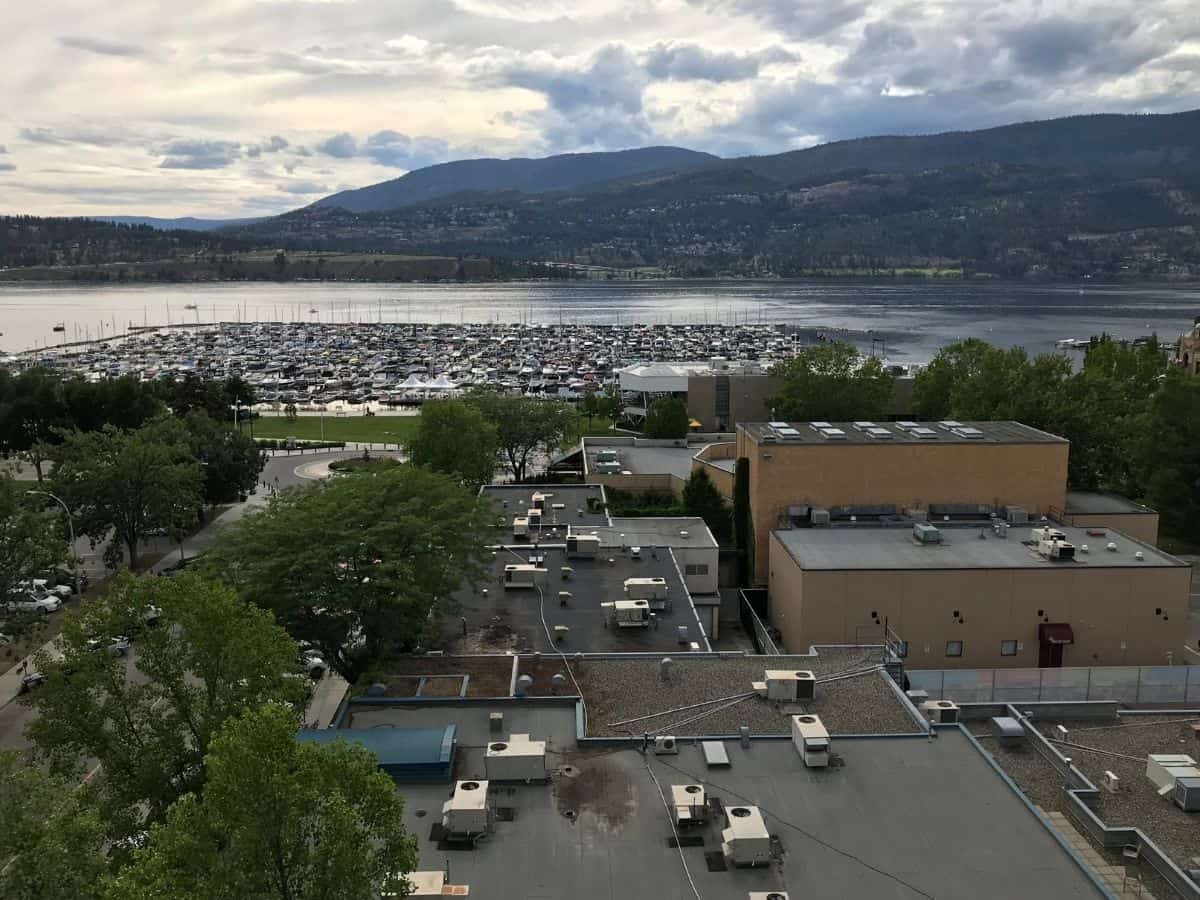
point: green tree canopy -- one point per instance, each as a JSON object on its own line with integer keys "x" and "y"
{"x": 831, "y": 382}
{"x": 210, "y": 656}
{"x": 359, "y": 565}
{"x": 524, "y": 426}
{"x": 279, "y": 819}
{"x": 231, "y": 461}
{"x": 701, "y": 498}
{"x": 667, "y": 418}
{"x": 52, "y": 838}
{"x": 129, "y": 482}
{"x": 454, "y": 438}
{"x": 1167, "y": 458}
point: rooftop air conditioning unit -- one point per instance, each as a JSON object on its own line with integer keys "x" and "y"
{"x": 522, "y": 576}
{"x": 520, "y": 527}
{"x": 1163, "y": 768}
{"x": 517, "y": 759}
{"x": 655, "y": 589}
{"x": 466, "y": 810}
{"x": 539, "y": 501}
{"x": 746, "y": 841}
{"x": 689, "y": 802}
{"x": 790, "y": 685}
{"x": 1187, "y": 794}
{"x": 811, "y": 740}
{"x": 940, "y": 712}
{"x": 769, "y": 895}
{"x": 585, "y": 546}
{"x": 1016, "y": 515}
{"x": 664, "y": 744}
{"x": 924, "y": 533}
{"x": 818, "y": 516}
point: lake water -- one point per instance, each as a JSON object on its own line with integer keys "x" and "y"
{"x": 912, "y": 319}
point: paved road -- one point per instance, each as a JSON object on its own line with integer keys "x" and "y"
{"x": 280, "y": 470}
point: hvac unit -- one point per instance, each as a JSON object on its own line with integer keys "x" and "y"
{"x": 811, "y": 740}
{"x": 1007, "y": 731}
{"x": 768, "y": 895}
{"x": 665, "y": 744}
{"x": 818, "y": 516}
{"x": 517, "y": 759}
{"x": 520, "y": 526}
{"x": 646, "y": 589}
{"x": 586, "y": 546}
{"x": 1187, "y": 794}
{"x": 466, "y": 810}
{"x": 1163, "y": 768}
{"x": 629, "y": 613}
{"x": 522, "y": 576}
{"x": 1016, "y": 515}
{"x": 689, "y": 802}
{"x": 924, "y": 533}
{"x": 746, "y": 841}
{"x": 940, "y": 712}
{"x": 539, "y": 501}
{"x": 607, "y": 456}
{"x": 790, "y": 685}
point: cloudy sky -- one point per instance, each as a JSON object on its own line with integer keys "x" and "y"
{"x": 247, "y": 107}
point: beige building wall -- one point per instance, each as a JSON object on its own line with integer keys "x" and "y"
{"x": 748, "y": 395}
{"x": 1142, "y": 526}
{"x": 909, "y": 475}
{"x": 721, "y": 478}
{"x": 1121, "y": 616}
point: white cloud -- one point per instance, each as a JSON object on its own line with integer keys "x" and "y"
{"x": 231, "y": 106}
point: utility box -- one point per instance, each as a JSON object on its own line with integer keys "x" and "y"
{"x": 924, "y": 533}
{"x": 583, "y": 546}
{"x": 1163, "y": 768}
{"x": 466, "y": 810}
{"x": 1007, "y": 731}
{"x": 522, "y": 576}
{"x": 811, "y": 740}
{"x": 630, "y": 613}
{"x": 790, "y": 685}
{"x": 539, "y": 500}
{"x": 517, "y": 759}
{"x": 745, "y": 841}
{"x": 1187, "y": 794}
{"x": 520, "y": 526}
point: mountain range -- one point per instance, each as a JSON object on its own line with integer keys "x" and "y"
{"x": 1086, "y": 195}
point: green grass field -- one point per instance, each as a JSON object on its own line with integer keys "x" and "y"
{"x": 353, "y": 429}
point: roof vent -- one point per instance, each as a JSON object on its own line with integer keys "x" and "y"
{"x": 879, "y": 433}
{"x": 819, "y": 426}
{"x": 971, "y": 434}
{"x": 833, "y": 434}
{"x": 864, "y": 426}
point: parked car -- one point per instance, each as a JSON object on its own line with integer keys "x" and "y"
{"x": 313, "y": 664}
{"x": 116, "y": 646}
{"x": 5, "y": 639}
{"x": 33, "y": 603}
{"x": 31, "y": 680}
{"x": 42, "y": 586}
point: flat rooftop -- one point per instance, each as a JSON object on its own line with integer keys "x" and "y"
{"x": 642, "y": 459}
{"x": 899, "y": 818}
{"x": 945, "y": 432}
{"x": 502, "y": 620}
{"x": 1088, "y": 503}
{"x": 652, "y": 532}
{"x": 579, "y": 505}
{"x": 868, "y": 547}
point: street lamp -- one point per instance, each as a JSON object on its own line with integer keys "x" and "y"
{"x": 70, "y": 529}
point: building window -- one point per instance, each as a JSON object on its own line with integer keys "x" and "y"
{"x": 954, "y": 648}
{"x": 696, "y": 569}
{"x": 1008, "y": 648}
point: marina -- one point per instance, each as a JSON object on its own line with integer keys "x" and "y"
{"x": 311, "y": 365}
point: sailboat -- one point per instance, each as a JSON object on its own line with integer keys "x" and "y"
{"x": 189, "y": 306}
{"x": 59, "y": 327}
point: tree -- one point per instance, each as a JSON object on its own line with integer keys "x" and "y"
{"x": 231, "y": 461}
{"x": 31, "y": 410}
{"x": 590, "y": 406}
{"x": 667, "y": 418}
{"x": 743, "y": 520}
{"x": 384, "y": 549}
{"x": 31, "y": 540}
{"x": 454, "y": 438}
{"x": 1167, "y": 455}
{"x": 701, "y": 498}
{"x": 524, "y": 426}
{"x": 831, "y": 382}
{"x": 279, "y": 818}
{"x": 53, "y": 837}
{"x": 128, "y": 482}
{"x": 210, "y": 656}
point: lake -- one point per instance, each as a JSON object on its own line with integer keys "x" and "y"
{"x": 911, "y": 319}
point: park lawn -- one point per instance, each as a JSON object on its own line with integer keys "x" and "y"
{"x": 352, "y": 429}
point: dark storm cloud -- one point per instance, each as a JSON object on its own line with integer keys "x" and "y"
{"x": 273, "y": 144}
{"x": 691, "y": 62}
{"x": 304, "y": 187}
{"x": 101, "y": 46}
{"x": 798, "y": 19}
{"x": 399, "y": 151}
{"x": 191, "y": 154}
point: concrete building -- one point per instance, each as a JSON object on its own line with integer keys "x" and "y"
{"x": 1187, "y": 350}
{"x": 976, "y": 599}
{"x": 869, "y": 469}
{"x": 641, "y": 464}
{"x": 1089, "y": 510}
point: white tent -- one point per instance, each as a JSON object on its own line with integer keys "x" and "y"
{"x": 413, "y": 381}
{"x": 441, "y": 383}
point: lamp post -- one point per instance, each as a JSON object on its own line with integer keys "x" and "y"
{"x": 70, "y": 530}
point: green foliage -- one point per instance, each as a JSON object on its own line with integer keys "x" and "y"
{"x": 31, "y": 540}
{"x": 279, "y": 819}
{"x": 130, "y": 482}
{"x": 210, "y": 656}
{"x": 231, "y": 461}
{"x": 831, "y": 382}
{"x": 666, "y": 419}
{"x": 380, "y": 555}
{"x": 524, "y": 426}
{"x": 1168, "y": 454}
{"x": 701, "y": 498}
{"x": 743, "y": 524}
{"x": 454, "y": 438}
{"x": 52, "y": 839}
{"x": 639, "y": 504}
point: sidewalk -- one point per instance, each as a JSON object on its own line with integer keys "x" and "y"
{"x": 326, "y": 699}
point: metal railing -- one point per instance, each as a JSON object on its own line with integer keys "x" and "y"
{"x": 754, "y": 626}
{"x": 1125, "y": 684}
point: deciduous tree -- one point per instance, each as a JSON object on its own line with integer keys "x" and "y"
{"x": 210, "y": 656}
{"x": 831, "y": 382}
{"x": 279, "y": 819}
{"x": 524, "y": 426}
{"x": 701, "y": 498}
{"x": 667, "y": 418}
{"x": 454, "y": 438}
{"x": 360, "y": 565}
